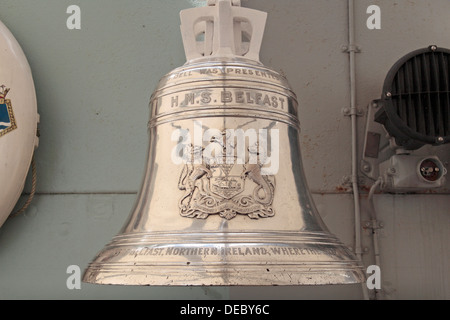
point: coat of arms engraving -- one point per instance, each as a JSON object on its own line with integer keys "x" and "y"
{"x": 225, "y": 188}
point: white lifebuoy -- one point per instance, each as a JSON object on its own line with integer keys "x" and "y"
{"x": 18, "y": 121}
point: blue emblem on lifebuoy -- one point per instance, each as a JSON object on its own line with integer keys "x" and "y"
{"x": 7, "y": 121}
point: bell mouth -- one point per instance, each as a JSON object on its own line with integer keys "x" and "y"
{"x": 225, "y": 259}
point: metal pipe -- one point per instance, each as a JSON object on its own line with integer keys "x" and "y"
{"x": 354, "y": 116}
{"x": 375, "y": 225}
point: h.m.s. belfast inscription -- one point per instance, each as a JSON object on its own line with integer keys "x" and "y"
{"x": 239, "y": 96}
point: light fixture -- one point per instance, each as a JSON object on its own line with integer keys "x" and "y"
{"x": 413, "y": 112}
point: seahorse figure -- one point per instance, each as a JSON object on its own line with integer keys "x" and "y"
{"x": 253, "y": 172}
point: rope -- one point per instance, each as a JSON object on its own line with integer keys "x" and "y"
{"x": 32, "y": 193}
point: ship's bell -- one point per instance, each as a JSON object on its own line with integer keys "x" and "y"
{"x": 224, "y": 199}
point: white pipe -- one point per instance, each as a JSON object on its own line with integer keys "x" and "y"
{"x": 354, "y": 116}
{"x": 375, "y": 226}
{"x": 373, "y": 215}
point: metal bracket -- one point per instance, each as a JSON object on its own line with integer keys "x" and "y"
{"x": 347, "y": 181}
{"x": 221, "y": 26}
{"x": 348, "y": 112}
{"x": 348, "y": 49}
{"x": 374, "y": 225}
{"x": 377, "y": 144}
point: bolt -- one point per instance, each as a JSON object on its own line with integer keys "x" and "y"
{"x": 381, "y": 224}
{"x": 441, "y": 139}
{"x": 346, "y": 180}
{"x": 366, "y": 168}
{"x": 388, "y": 94}
{"x": 392, "y": 170}
{"x": 433, "y": 48}
{"x": 367, "y": 224}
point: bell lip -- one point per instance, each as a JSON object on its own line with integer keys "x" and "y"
{"x": 271, "y": 276}
{"x": 328, "y": 262}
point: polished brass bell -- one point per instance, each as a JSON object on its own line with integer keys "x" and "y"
{"x": 224, "y": 199}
